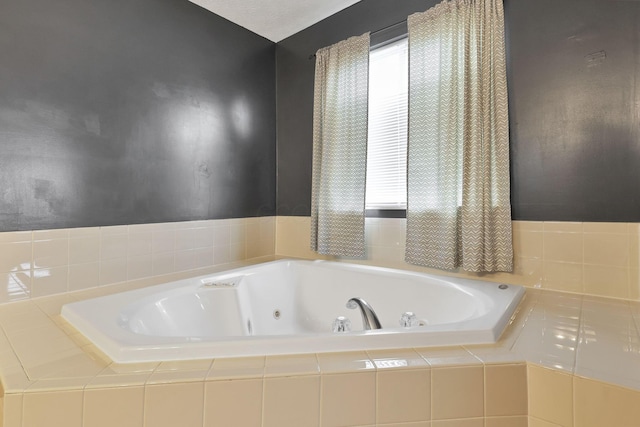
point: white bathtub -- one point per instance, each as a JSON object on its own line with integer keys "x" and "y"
{"x": 288, "y": 307}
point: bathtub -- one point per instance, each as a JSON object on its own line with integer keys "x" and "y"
{"x": 292, "y": 307}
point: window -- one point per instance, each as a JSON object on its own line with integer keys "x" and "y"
{"x": 388, "y": 112}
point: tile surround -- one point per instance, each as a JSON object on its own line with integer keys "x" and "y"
{"x": 583, "y": 258}
{"x": 502, "y": 391}
{"x": 46, "y": 262}
{"x": 586, "y": 258}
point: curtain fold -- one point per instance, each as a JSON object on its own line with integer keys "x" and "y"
{"x": 458, "y": 191}
{"x": 340, "y": 123}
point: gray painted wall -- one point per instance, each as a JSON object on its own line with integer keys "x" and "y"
{"x": 132, "y": 111}
{"x": 574, "y": 92}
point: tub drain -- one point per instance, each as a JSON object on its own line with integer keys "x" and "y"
{"x": 276, "y": 314}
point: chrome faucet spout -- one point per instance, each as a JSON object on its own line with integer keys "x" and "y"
{"x": 369, "y": 317}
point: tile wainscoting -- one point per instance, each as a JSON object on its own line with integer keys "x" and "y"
{"x": 47, "y": 262}
{"x": 565, "y": 361}
{"x": 585, "y": 258}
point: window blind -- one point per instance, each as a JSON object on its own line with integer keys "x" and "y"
{"x": 388, "y": 111}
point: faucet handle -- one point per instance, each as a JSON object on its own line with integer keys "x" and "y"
{"x": 408, "y": 319}
{"x": 342, "y": 324}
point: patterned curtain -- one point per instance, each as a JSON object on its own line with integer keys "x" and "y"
{"x": 459, "y": 209}
{"x": 340, "y": 119}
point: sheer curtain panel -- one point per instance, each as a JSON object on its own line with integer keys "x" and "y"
{"x": 340, "y": 120}
{"x": 459, "y": 209}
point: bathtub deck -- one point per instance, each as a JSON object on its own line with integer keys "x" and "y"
{"x": 590, "y": 337}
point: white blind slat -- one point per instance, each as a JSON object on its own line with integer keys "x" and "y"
{"x": 388, "y": 112}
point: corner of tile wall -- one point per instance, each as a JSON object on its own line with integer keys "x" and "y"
{"x": 560, "y": 399}
{"x": 46, "y": 262}
{"x": 585, "y": 258}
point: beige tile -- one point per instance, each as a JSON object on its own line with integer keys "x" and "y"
{"x": 634, "y": 284}
{"x": 505, "y": 390}
{"x": 292, "y": 402}
{"x": 15, "y": 256}
{"x": 185, "y": 238}
{"x": 527, "y": 244}
{"x": 203, "y": 257}
{"x": 122, "y": 407}
{"x": 519, "y": 421}
{"x": 237, "y": 251}
{"x": 130, "y": 368}
{"x": 116, "y": 381}
{"x": 606, "y": 281}
{"x": 536, "y": 422}
{"x": 84, "y": 232}
{"x": 185, "y": 260}
{"x": 139, "y": 267}
{"x": 527, "y": 225}
{"x": 292, "y": 237}
{"x": 605, "y": 227}
{"x": 114, "y": 230}
{"x": 50, "y": 253}
{"x": 526, "y": 272}
{"x": 14, "y": 287}
{"x": 139, "y": 243}
{"x": 11, "y": 410}
{"x": 562, "y": 227}
{"x": 606, "y": 249}
{"x": 563, "y": 247}
{"x": 59, "y": 233}
{"x": 232, "y": 368}
{"x": 237, "y": 402}
{"x": 634, "y": 251}
{"x": 113, "y": 271}
{"x": 397, "y": 359}
{"x": 221, "y": 254}
{"x": 403, "y": 396}
{"x": 348, "y": 399}
{"x": 457, "y": 392}
{"x": 174, "y": 405}
{"x": 598, "y": 404}
{"x": 469, "y": 422}
{"x": 177, "y": 376}
{"x": 562, "y": 276}
{"x": 392, "y": 233}
{"x": 252, "y": 230}
{"x": 550, "y": 395}
{"x": 162, "y": 263}
{"x": 84, "y": 276}
{"x": 418, "y": 424}
{"x": 84, "y": 249}
{"x": 113, "y": 246}
{"x": 62, "y": 408}
{"x": 448, "y": 356}
{"x": 49, "y": 281}
{"x": 237, "y": 233}
{"x": 344, "y": 362}
{"x": 51, "y": 305}
{"x": 304, "y": 364}
{"x": 221, "y": 235}
{"x": 184, "y": 365}
{"x": 203, "y": 237}
{"x": 16, "y": 236}
{"x": 71, "y": 364}
{"x": 163, "y": 240}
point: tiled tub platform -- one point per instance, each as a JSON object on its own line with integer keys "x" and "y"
{"x": 565, "y": 360}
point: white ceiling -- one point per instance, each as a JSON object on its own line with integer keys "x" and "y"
{"x": 275, "y": 19}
